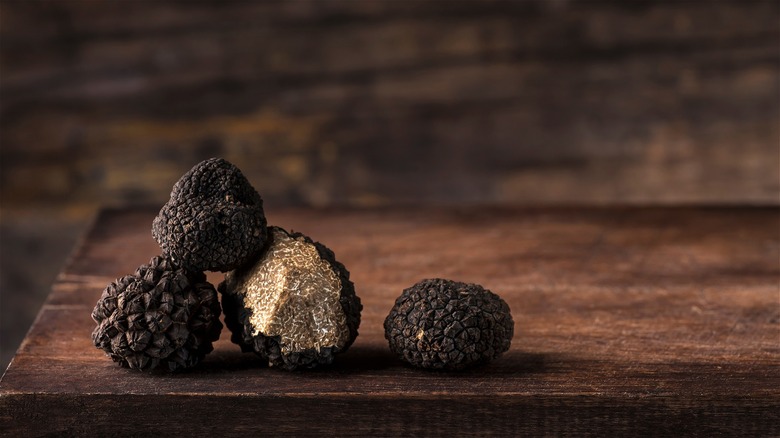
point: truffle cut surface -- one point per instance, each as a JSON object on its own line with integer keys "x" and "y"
{"x": 295, "y": 306}
{"x": 294, "y": 294}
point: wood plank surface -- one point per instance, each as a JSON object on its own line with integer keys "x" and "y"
{"x": 627, "y": 320}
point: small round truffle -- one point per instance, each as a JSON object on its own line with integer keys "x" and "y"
{"x": 445, "y": 324}
{"x": 160, "y": 318}
{"x": 214, "y": 220}
{"x": 295, "y": 307}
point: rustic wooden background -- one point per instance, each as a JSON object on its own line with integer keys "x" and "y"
{"x": 376, "y": 103}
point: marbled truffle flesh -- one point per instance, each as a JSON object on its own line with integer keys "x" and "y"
{"x": 160, "y": 318}
{"x": 294, "y": 307}
{"x": 214, "y": 220}
{"x": 445, "y": 324}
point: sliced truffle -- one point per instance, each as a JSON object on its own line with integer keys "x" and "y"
{"x": 214, "y": 220}
{"x": 160, "y": 318}
{"x": 295, "y": 307}
{"x": 445, "y": 324}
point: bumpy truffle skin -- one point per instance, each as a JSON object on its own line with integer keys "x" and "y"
{"x": 448, "y": 325}
{"x": 238, "y": 303}
{"x": 160, "y": 318}
{"x": 214, "y": 220}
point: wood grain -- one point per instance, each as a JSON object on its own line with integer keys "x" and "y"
{"x": 494, "y": 101}
{"x": 628, "y": 320}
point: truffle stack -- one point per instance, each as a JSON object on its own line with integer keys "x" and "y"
{"x": 285, "y": 296}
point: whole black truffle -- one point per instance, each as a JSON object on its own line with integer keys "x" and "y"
{"x": 214, "y": 220}
{"x": 162, "y": 317}
{"x": 295, "y": 307}
{"x": 444, "y": 324}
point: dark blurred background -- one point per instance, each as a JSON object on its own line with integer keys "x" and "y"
{"x": 373, "y": 103}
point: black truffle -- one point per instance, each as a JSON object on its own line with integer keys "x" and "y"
{"x": 160, "y": 318}
{"x": 444, "y": 324}
{"x": 295, "y": 307}
{"x": 214, "y": 220}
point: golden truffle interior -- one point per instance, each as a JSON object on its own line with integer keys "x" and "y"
{"x": 293, "y": 294}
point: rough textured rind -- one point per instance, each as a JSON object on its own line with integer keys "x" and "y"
{"x": 160, "y": 318}
{"x": 444, "y": 324}
{"x": 238, "y": 313}
{"x": 214, "y": 220}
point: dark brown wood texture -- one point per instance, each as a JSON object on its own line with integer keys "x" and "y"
{"x": 628, "y": 320}
{"x": 366, "y": 103}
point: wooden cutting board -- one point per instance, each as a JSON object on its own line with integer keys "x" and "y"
{"x": 627, "y": 320}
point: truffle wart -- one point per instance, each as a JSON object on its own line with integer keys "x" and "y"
{"x": 295, "y": 306}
